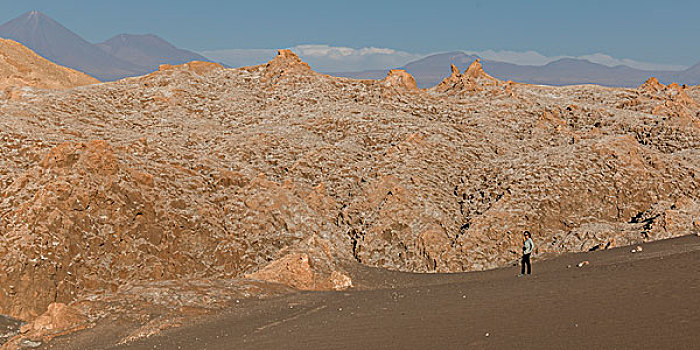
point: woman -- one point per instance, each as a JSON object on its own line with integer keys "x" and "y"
{"x": 528, "y": 245}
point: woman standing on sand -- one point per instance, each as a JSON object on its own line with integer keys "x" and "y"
{"x": 528, "y": 245}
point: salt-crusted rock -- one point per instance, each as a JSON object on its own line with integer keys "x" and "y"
{"x": 201, "y": 172}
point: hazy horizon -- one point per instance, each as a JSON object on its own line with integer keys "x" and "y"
{"x": 327, "y": 58}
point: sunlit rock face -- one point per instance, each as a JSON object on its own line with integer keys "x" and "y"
{"x": 277, "y": 173}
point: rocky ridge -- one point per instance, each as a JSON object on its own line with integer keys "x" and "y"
{"x": 278, "y": 173}
{"x": 21, "y": 67}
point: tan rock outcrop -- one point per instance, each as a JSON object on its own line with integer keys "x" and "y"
{"x": 652, "y": 85}
{"x": 297, "y": 271}
{"x": 476, "y": 71}
{"x": 286, "y": 63}
{"x": 472, "y": 80}
{"x": 198, "y": 67}
{"x": 451, "y": 81}
{"x": 671, "y": 101}
{"x": 58, "y": 317}
{"x": 21, "y": 67}
{"x": 281, "y": 173}
{"x": 401, "y": 79}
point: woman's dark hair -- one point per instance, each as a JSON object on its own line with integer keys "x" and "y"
{"x": 527, "y": 233}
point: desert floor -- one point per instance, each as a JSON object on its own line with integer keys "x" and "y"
{"x": 620, "y": 300}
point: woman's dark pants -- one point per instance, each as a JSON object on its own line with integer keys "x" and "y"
{"x": 525, "y": 261}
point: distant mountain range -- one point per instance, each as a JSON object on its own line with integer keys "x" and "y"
{"x": 121, "y": 56}
{"x": 131, "y": 55}
{"x": 147, "y": 50}
{"x": 429, "y": 71}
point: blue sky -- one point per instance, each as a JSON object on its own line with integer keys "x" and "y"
{"x": 648, "y": 31}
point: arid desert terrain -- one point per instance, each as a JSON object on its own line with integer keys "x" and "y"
{"x": 272, "y": 207}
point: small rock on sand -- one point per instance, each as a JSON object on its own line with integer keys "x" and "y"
{"x": 583, "y": 263}
{"x": 30, "y": 344}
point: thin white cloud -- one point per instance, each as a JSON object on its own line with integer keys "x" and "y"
{"x": 322, "y": 58}
{"x": 326, "y": 58}
{"x": 339, "y": 51}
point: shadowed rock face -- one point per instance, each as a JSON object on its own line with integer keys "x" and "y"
{"x": 275, "y": 170}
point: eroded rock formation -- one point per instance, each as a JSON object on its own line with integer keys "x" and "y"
{"x": 472, "y": 80}
{"x": 400, "y": 78}
{"x": 279, "y": 173}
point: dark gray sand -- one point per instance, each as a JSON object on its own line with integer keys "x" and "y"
{"x": 620, "y": 300}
